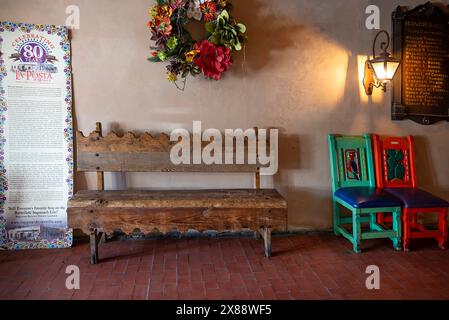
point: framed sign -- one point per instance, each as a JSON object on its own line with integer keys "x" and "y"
{"x": 36, "y": 137}
{"x": 421, "y": 85}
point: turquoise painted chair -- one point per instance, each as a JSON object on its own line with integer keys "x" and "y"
{"x": 354, "y": 188}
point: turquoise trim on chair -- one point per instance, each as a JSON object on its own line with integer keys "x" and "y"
{"x": 352, "y": 166}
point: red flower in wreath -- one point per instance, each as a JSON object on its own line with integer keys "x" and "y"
{"x": 208, "y": 9}
{"x": 213, "y": 60}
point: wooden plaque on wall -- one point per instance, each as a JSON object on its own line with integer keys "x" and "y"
{"x": 421, "y": 85}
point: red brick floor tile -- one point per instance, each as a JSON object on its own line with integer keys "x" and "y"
{"x": 103, "y": 278}
{"x": 120, "y": 266}
{"x": 279, "y": 286}
{"x": 142, "y": 278}
{"x": 63, "y": 294}
{"x": 213, "y": 294}
{"x": 104, "y": 292}
{"x": 185, "y": 295}
{"x": 159, "y": 295}
{"x": 170, "y": 277}
{"x": 240, "y": 294}
{"x": 198, "y": 286}
{"x": 268, "y": 293}
{"x": 18, "y": 295}
{"x": 140, "y": 292}
{"x": 211, "y": 282}
{"x": 82, "y": 293}
{"x": 255, "y": 296}
{"x": 126, "y": 292}
{"x": 236, "y": 281}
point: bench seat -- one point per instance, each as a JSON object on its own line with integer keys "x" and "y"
{"x": 181, "y": 210}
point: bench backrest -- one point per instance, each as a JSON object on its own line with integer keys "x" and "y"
{"x": 394, "y": 159}
{"x": 351, "y": 161}
{"x": 145, "y": 153}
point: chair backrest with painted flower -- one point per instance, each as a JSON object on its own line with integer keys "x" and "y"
{"x": 394, "y": 162}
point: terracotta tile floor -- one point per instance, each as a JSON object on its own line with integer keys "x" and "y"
{"x": 318, "y": 266}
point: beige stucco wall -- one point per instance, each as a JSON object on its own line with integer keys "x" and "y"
{"x": 300, "y": 75}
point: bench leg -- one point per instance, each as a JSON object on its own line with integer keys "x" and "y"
{"x": 101, "y": 238}
{"x": 265, "y": 232}
{"x": 93, "y": 246}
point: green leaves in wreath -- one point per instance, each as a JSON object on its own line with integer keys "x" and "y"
{"x": 172, "y": 46}
{"x": 223, "y": 32}
{"x": 395, "y": 165}
{"x": 172, "y": 43}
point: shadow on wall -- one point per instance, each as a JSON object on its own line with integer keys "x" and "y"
{"x": 289, "y": 151}
{"x": 425, "y": 170}
{"x": 316, "y": 207}
{"x": 292, "y": 160}
{"x": 425, "y": 173}
{"x": 262, "y": 28}
{"x": 318, "y": 58}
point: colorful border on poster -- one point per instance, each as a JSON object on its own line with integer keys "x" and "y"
{"x": 63, "y": 33}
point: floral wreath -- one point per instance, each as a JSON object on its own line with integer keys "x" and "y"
{"x": 185, "y": 56}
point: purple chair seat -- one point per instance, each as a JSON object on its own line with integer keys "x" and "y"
{"x": 417, "y": 198}
{"x": 367, "y": 197}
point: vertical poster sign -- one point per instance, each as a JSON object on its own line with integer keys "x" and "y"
{"x": 36, "y": 137}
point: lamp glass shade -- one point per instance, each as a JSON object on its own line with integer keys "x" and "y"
{"x": 385, "y": 68}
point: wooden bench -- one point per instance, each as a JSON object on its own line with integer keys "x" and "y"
{"x": 99, "y": 211}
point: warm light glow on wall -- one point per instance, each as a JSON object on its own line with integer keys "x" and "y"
{"x": 340, "y": 72}
{"x": 361, "y": 71}
{"x": 323, "y": 69}
{"x": 376, "y": 97}
{"x": 332, "y": 81}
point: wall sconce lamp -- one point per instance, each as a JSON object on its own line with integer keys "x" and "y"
{"x": 381, "y": 69}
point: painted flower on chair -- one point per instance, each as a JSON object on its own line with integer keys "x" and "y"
{"x": 213, "y": 60}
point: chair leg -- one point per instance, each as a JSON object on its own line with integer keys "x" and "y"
{"x": 442, "y": 226}
{"x": 93, "y": 246}
{"x": 415, "y": 218}
{"x": 356, "y": 231}
{"x": 406, "y": 226}
{"x": 336, "y": 218}
{"x": 380, "y": 218}
{"x": 397, "y": 226}
{"x": 373, "y": 220}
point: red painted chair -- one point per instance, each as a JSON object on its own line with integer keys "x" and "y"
{"x": 394, "y": 160}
